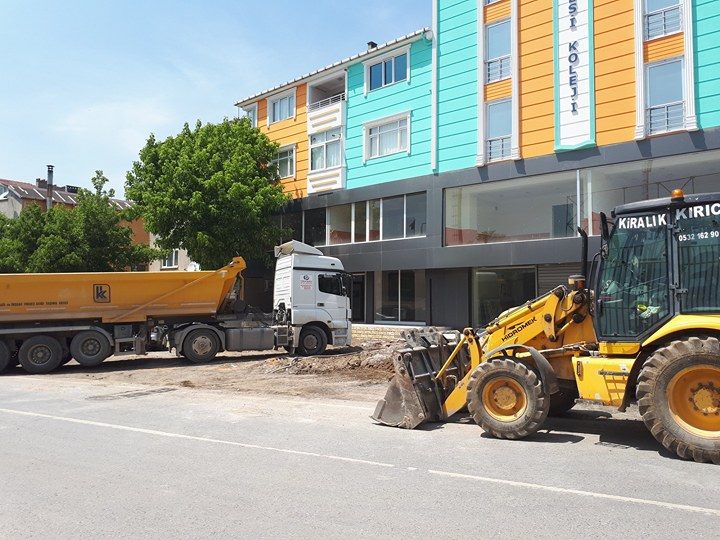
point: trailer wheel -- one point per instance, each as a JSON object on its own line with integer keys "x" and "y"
{"x": 40, "y": 354}
{"x": 313, "y": 341}
{"x": 90, "y": 348}
{"x": 201, "y": 345}
{"x": 4, "y": 356}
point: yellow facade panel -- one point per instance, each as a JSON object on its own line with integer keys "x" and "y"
{"x": 497, "y": 11}
{"x": 292, "y": 131}
{"x": 614, "y": 71}
{"x": 498, "y": 90}
{"x": 664, "y": 48}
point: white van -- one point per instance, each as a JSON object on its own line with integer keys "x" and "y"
{"x": 311, "y": 299}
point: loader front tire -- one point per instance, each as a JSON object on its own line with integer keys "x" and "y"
{"x": 506, "y": 399}
{"x": 678, "y": 394}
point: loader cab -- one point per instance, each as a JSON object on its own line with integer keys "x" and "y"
{"x": 660, "y": 259}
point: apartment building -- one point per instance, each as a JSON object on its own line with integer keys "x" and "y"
{"x": 450, "y": 168}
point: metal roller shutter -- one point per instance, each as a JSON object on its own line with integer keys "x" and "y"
{"x": 550, "y": 276}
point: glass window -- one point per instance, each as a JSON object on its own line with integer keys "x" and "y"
{"x": 392, "y": 218}
{"x": 339, "y": 223}
{"x": 251, "y": 114}
{"x": 172, "y": 260}
{"x": 499, "y": 119}
{"x": 292, "y": 226}
{"x": 374, "y": 217}
{"x": 357, "y": 298}
{"x": 400, "y": 296}
{"x": 388, "y": 71}
{"x": 282, "y": 108}
{"x": 388, "y": 138}
{"x": 634, "y": 289}
{"x": 325, "y": 150}
{"x": 699, "y": 252}
{"x": 285, "y": 162}
{"x": 360, "y": 222}
{"x": 415, "y": 215}
{"x": 484, "y": 213}
{"x": 497, "y": 40}
{"x": 315, "y": 225}
{"x": 665, "y": 83}
{"x": 662, "y": 17}
{"x": 495, "y": 290}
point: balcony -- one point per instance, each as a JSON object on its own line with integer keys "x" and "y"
{"x": 326, "y": 114}
{"x": 667, "y": 117}
{"x": 498, "y": 148}
{"x": 497, "y": 69}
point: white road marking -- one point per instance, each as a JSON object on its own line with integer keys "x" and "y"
{"x": 195, "y": 438}
{"x": 513, "y": 483}
{"x": 650, "y": 502}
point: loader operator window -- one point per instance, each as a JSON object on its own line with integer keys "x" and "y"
{"x": 699, "y": 255}
{"x": 634, "y": 291}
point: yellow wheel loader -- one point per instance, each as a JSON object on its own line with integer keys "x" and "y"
{"x": 644, "y": 330}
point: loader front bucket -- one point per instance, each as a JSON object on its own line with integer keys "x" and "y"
{"x": 415, "y": 396}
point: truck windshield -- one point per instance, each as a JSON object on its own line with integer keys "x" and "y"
{"x": 633, "y": 288}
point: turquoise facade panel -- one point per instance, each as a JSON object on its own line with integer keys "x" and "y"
{"x": 457, "y": 84}
{"x": 413, "y": 96}
{"x": 707, "y": 61}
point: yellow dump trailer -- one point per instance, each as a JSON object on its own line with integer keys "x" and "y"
{"x": 115, "y": 297}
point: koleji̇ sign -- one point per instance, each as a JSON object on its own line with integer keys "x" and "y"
{"x": 574, "y": 74}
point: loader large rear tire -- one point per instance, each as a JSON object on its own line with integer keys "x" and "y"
{"x": 5, "y": 356}
{"x": 506, "y": 399}
{"x": 678, "y": 395}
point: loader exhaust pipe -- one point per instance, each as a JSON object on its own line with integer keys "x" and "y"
{"x": 579, "y": 282}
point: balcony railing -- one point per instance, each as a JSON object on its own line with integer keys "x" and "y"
{"x": 498, "y": 148}
{"x": 326, "y": 102}
{"x": 497, "y": 69}
{"x": 663, "y": 22}
{"x": 667, "y": 117}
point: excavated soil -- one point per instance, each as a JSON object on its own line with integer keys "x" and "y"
{"x": 360, "y": 372}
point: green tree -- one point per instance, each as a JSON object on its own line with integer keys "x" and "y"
{"x": 211, "y": 190}
{"x": 89, "y": 237}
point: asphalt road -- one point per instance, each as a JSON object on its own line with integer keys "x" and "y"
{"x": 83, "y": 459}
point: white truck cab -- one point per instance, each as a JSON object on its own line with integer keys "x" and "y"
{"x": 311, "y": 299}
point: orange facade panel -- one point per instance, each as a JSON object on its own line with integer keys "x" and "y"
{"x": 664, "y": 48}
{"x": 536, "y": 83}
{"x": 498, "y": 90}
{"x": 290, "y": 132}
{"x": 614, "y": 71}
{"x": 497, "y": 11}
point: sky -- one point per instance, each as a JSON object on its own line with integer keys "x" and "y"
{"x": 84, "y": 82}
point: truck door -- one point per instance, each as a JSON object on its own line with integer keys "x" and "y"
{"x": 333, "y": 297}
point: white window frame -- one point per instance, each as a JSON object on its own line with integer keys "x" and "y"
{"x": 254, "y": 109}
{"x": 277, "y": 97}
{"x": 648, "y": 14}
{"x": 381, "y": 122}
{"x": 380, "y": 59}
{"x": 294, "y": 158}
{"x": 488, "y": 140}
{"x": 174, "y": 259}
{"x": 324, "y": 145}
{"x": 500, "y": 59}
{"x": 647, "y": 107}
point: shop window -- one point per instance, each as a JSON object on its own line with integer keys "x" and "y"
{"x": 291, "y": 223}
{"x": 315, "y": 227}
{"x": 374, "y": 220}
{"x": 495, "y": 290}
{"x": 340, "y": 224}
{"x": 360, "y": 234}
{"x": 415, "y": 215}
{"x": 400, "y": 296}
{"x": 392, "y": 218}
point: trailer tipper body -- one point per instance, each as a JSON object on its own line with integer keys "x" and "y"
{"x": 48, "y": 319}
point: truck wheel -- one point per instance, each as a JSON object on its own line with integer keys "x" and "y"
{"x": 90, "y": 348}
{"x": 506, "y": 399}
{"x": 313, "y": 341}
{"x": 40, "y": 354}
{"x": 4, "y": 356}
{"x": 678, "y": 395}
{"x": 201, "y": 345}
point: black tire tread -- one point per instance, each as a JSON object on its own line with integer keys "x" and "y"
{"x": 475, "y": 398}
{"x": 645, "y": 391}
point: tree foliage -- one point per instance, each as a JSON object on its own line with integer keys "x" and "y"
{"x": 211, "y": 190}
{"x": 89, "y": 237}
